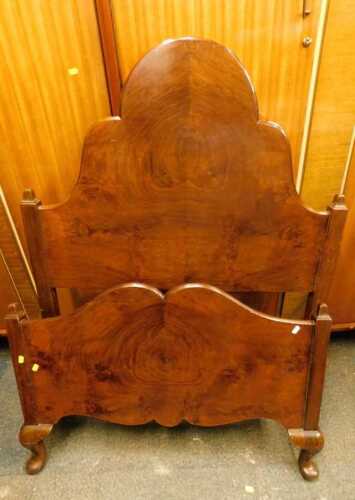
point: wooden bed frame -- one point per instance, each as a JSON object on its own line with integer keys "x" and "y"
{"x": 187, "y": 186}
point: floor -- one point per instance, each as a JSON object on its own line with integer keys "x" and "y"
{"x": 93, "y": 460}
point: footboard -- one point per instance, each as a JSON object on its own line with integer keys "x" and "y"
{"x": 133, "y": 355}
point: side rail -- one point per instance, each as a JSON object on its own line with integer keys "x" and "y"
{"x": 133, "y": 355}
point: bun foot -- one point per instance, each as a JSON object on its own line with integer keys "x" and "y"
{"x": 31, "y": 437}
{"x": 311, "y": 443}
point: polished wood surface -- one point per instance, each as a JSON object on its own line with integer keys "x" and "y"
{"x": 332, "y": 127}
{"x": 334, "y": 108}
{"x": 342, "y": 294}
{"x": 267, "y": 36}
{"x": 188, "y": 185}
{"x": 195, "y": 354}
{"x": 143, "y": 356}
{"x": 31, "y": 437}
{"x": 16, "y": 280}
{"x": 330, "y": 252}
{"x": 311, "y": 443}
{"x": 52, "y": 89}
{"x": 7, "y": 295}
{"x": 47, "y": 297}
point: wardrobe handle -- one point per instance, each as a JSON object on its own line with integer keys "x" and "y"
{"x": 307, "y": 41}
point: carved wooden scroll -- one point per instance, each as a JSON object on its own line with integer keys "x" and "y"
{"x": 189, "y": 185}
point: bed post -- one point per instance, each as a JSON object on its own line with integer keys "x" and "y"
{"x": 31, "y": 435}
{"x": 337, "y": 216}
{"x": 30, "y": 214}
{"x": 310, "y": 439}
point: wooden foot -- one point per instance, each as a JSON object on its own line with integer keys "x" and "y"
{"x": 31, "y": 437}
{"x": 310, "y": 442}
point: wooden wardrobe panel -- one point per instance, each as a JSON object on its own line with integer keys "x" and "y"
{"x": 266, "y": 37}
{"x": 52, "y": 89}
{"x": 342, "y": 296}
{"x": 7, "y": 294}
{"x": 334, "y": 108}
{"x": 17, "y": 283}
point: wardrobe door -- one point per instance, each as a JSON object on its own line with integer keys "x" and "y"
{"x": 330, "y": 147}
{"x": 7, "y": 295}
{"x": 342, "y": 296}
{"x": 16, "y": 281}
{"x": 52, "y": 89}
{"x": 273, "y": 39}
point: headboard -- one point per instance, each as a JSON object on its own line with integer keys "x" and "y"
{"x": 187, "y": 185}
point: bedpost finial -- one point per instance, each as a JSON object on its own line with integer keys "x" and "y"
{"x": 15, "y": 310}
{"x": 338, "y": 202}
{"x": 323, "y": 312}
{"x": 29, "y": 197}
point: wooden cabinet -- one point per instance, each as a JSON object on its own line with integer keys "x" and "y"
{"x": 16, "y": 280}
{"x": 52, "y": 89}
{"x": 342, "y": 297}
{"x": 7, "y": 295}
{"x": 267, "y": 37}
{"x": 329, "y": 146}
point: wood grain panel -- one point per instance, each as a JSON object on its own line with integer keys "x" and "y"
{"x": 196, "y": 354}
{"x": 52, "y": 89}
{"x": 266, "y": 37}
{"x": 187, "y": 186}
{"x": 334, "y": 108}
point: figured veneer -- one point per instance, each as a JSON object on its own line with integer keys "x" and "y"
{"x": 133, "y": 355}
{"x": 187, "y": 186}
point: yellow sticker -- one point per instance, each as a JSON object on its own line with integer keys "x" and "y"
{"x": 73, "y": 71}
{"x": 20, "y": 359}
{"x": 35, "y": 367}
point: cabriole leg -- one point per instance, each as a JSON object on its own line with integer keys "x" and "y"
{"x": 311, "y": 443}
{"x": 31, "y": 437}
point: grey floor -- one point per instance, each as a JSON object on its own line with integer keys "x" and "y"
{"x": 253, "y": 460}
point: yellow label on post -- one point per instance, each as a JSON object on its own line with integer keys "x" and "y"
{"x": 35, "y": 367}
{"x": 20, "y": 359}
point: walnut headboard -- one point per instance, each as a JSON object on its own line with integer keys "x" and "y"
{"x": 188, "y": 185}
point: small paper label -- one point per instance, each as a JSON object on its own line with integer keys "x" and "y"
{"x": 295, "y": 329}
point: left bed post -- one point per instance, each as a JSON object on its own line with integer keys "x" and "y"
{"x": 30, "y": 206}
{"x": 31, "y": 435}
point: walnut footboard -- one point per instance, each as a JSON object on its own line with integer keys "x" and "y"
{"x": 133, "y": 355}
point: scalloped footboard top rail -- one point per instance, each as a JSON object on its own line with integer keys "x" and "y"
{"x": 133, "y": 355}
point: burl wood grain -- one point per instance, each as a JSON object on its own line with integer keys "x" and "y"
{"x": 133, "y": 355}
{"x": 187, "y": 186}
